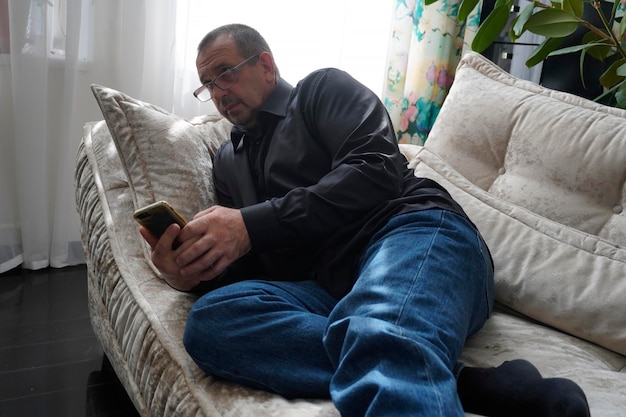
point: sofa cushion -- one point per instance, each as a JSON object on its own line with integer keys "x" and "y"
{"x": 555, "y": 274}
{"x": 542, "y": 175}
{"x": 165, "y": 157}
{"x": 556, "y": 154}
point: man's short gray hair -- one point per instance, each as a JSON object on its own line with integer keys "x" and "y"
{"x": 248, "y": 40}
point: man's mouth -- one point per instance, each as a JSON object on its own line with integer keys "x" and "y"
{"x": 230, "y": 105}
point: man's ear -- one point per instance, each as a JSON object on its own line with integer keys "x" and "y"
{"x": 269, "y": 67}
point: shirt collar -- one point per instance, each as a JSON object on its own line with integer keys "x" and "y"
{"x": 276, "y": 104}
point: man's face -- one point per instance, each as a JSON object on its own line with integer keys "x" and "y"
{"x": 240, "y": 102}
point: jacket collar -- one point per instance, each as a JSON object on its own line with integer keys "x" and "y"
{"x": 276, "y": 104}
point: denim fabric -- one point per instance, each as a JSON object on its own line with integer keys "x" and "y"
{"x": 389, "y": 347}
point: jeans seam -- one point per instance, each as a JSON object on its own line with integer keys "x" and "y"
{"x": 486, "y": 267}
{"x": 430, "y": 382}
{"x": 406, "y": 298}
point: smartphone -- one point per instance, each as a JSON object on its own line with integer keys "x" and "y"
{"x": 157, "y": 217}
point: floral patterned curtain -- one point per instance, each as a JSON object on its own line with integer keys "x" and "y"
{"x": 426, "y": 45}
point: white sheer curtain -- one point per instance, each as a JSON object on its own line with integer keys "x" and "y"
{"x": 55, "y": 50}
{"x": 52, "y": 50}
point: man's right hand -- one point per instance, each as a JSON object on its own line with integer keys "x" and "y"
{"x": 164, "y": 257}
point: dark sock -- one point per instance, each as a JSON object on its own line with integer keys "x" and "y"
{"x": 516, "y": 389}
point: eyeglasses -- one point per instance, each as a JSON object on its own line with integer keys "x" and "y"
{"x": 223, "y": 81}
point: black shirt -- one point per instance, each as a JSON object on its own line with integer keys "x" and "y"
{"x": 316, "y": 178}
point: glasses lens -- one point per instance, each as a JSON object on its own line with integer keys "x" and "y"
{"x": 223, "y": 81}
{"x": 226, "y": 79}
{"x": 203, "y": 93}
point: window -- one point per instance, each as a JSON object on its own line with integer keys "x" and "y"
{"x": 47, "y": 20}
{"x": 5, "y": 38}
{"x": 57, "y": 22}
{"x": 348, "y": 34}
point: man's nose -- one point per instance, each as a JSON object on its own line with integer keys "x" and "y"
{"x": 219, "y": 93}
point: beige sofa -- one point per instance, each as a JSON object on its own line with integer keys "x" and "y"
{"x": 541, "y": 173}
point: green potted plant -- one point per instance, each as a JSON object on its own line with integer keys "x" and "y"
{"x": 557, "y": 20}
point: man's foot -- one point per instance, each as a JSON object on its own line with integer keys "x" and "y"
{"x": 516, "y": 389}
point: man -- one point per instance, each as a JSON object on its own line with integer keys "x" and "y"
{"x": 332, "y": 269}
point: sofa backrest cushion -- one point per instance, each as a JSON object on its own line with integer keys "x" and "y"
{"x": 556, "y": 154}
{"x": 552, "y": 273}
{"x": 542, "y": 174}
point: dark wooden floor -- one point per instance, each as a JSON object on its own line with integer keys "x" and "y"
{"x": 50, "y": 360}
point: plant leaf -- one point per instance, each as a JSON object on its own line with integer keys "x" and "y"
{"x": 465, "y": 9}
{"x": 581, "y": 68}
{"x": 552, "y": 23}
{"x": 575, "y": 7}
{"x": 600, "y": 47}
{"x": 620, "y": 96}
{"x": 491, "y": 27}
{"x": 576, "y": 48}
{"x": 614, "y": 10}
{"x": 429, "y": 2}
{"x": 543, "y": 50}
{"x": 610, "y": 77}
{"x": 621, "y": 70}
{"x": 520, "y": 21}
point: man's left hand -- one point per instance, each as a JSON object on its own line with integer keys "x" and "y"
{"x": 220, "y": 237}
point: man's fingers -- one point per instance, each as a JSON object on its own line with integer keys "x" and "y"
{"x": 149, "y": 237}
{"x": 197, "y": 249}
{"x": 196, "y": 261}
{"x": 166, "y": 242}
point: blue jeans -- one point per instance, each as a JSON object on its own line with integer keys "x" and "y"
{"x": 390, "y": 347}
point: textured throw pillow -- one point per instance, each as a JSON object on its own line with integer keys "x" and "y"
{"x": 165, "y": 157}
{"x": 559, "y": 155}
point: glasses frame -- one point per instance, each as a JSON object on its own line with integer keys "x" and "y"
{"x": 210, "y": 86}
